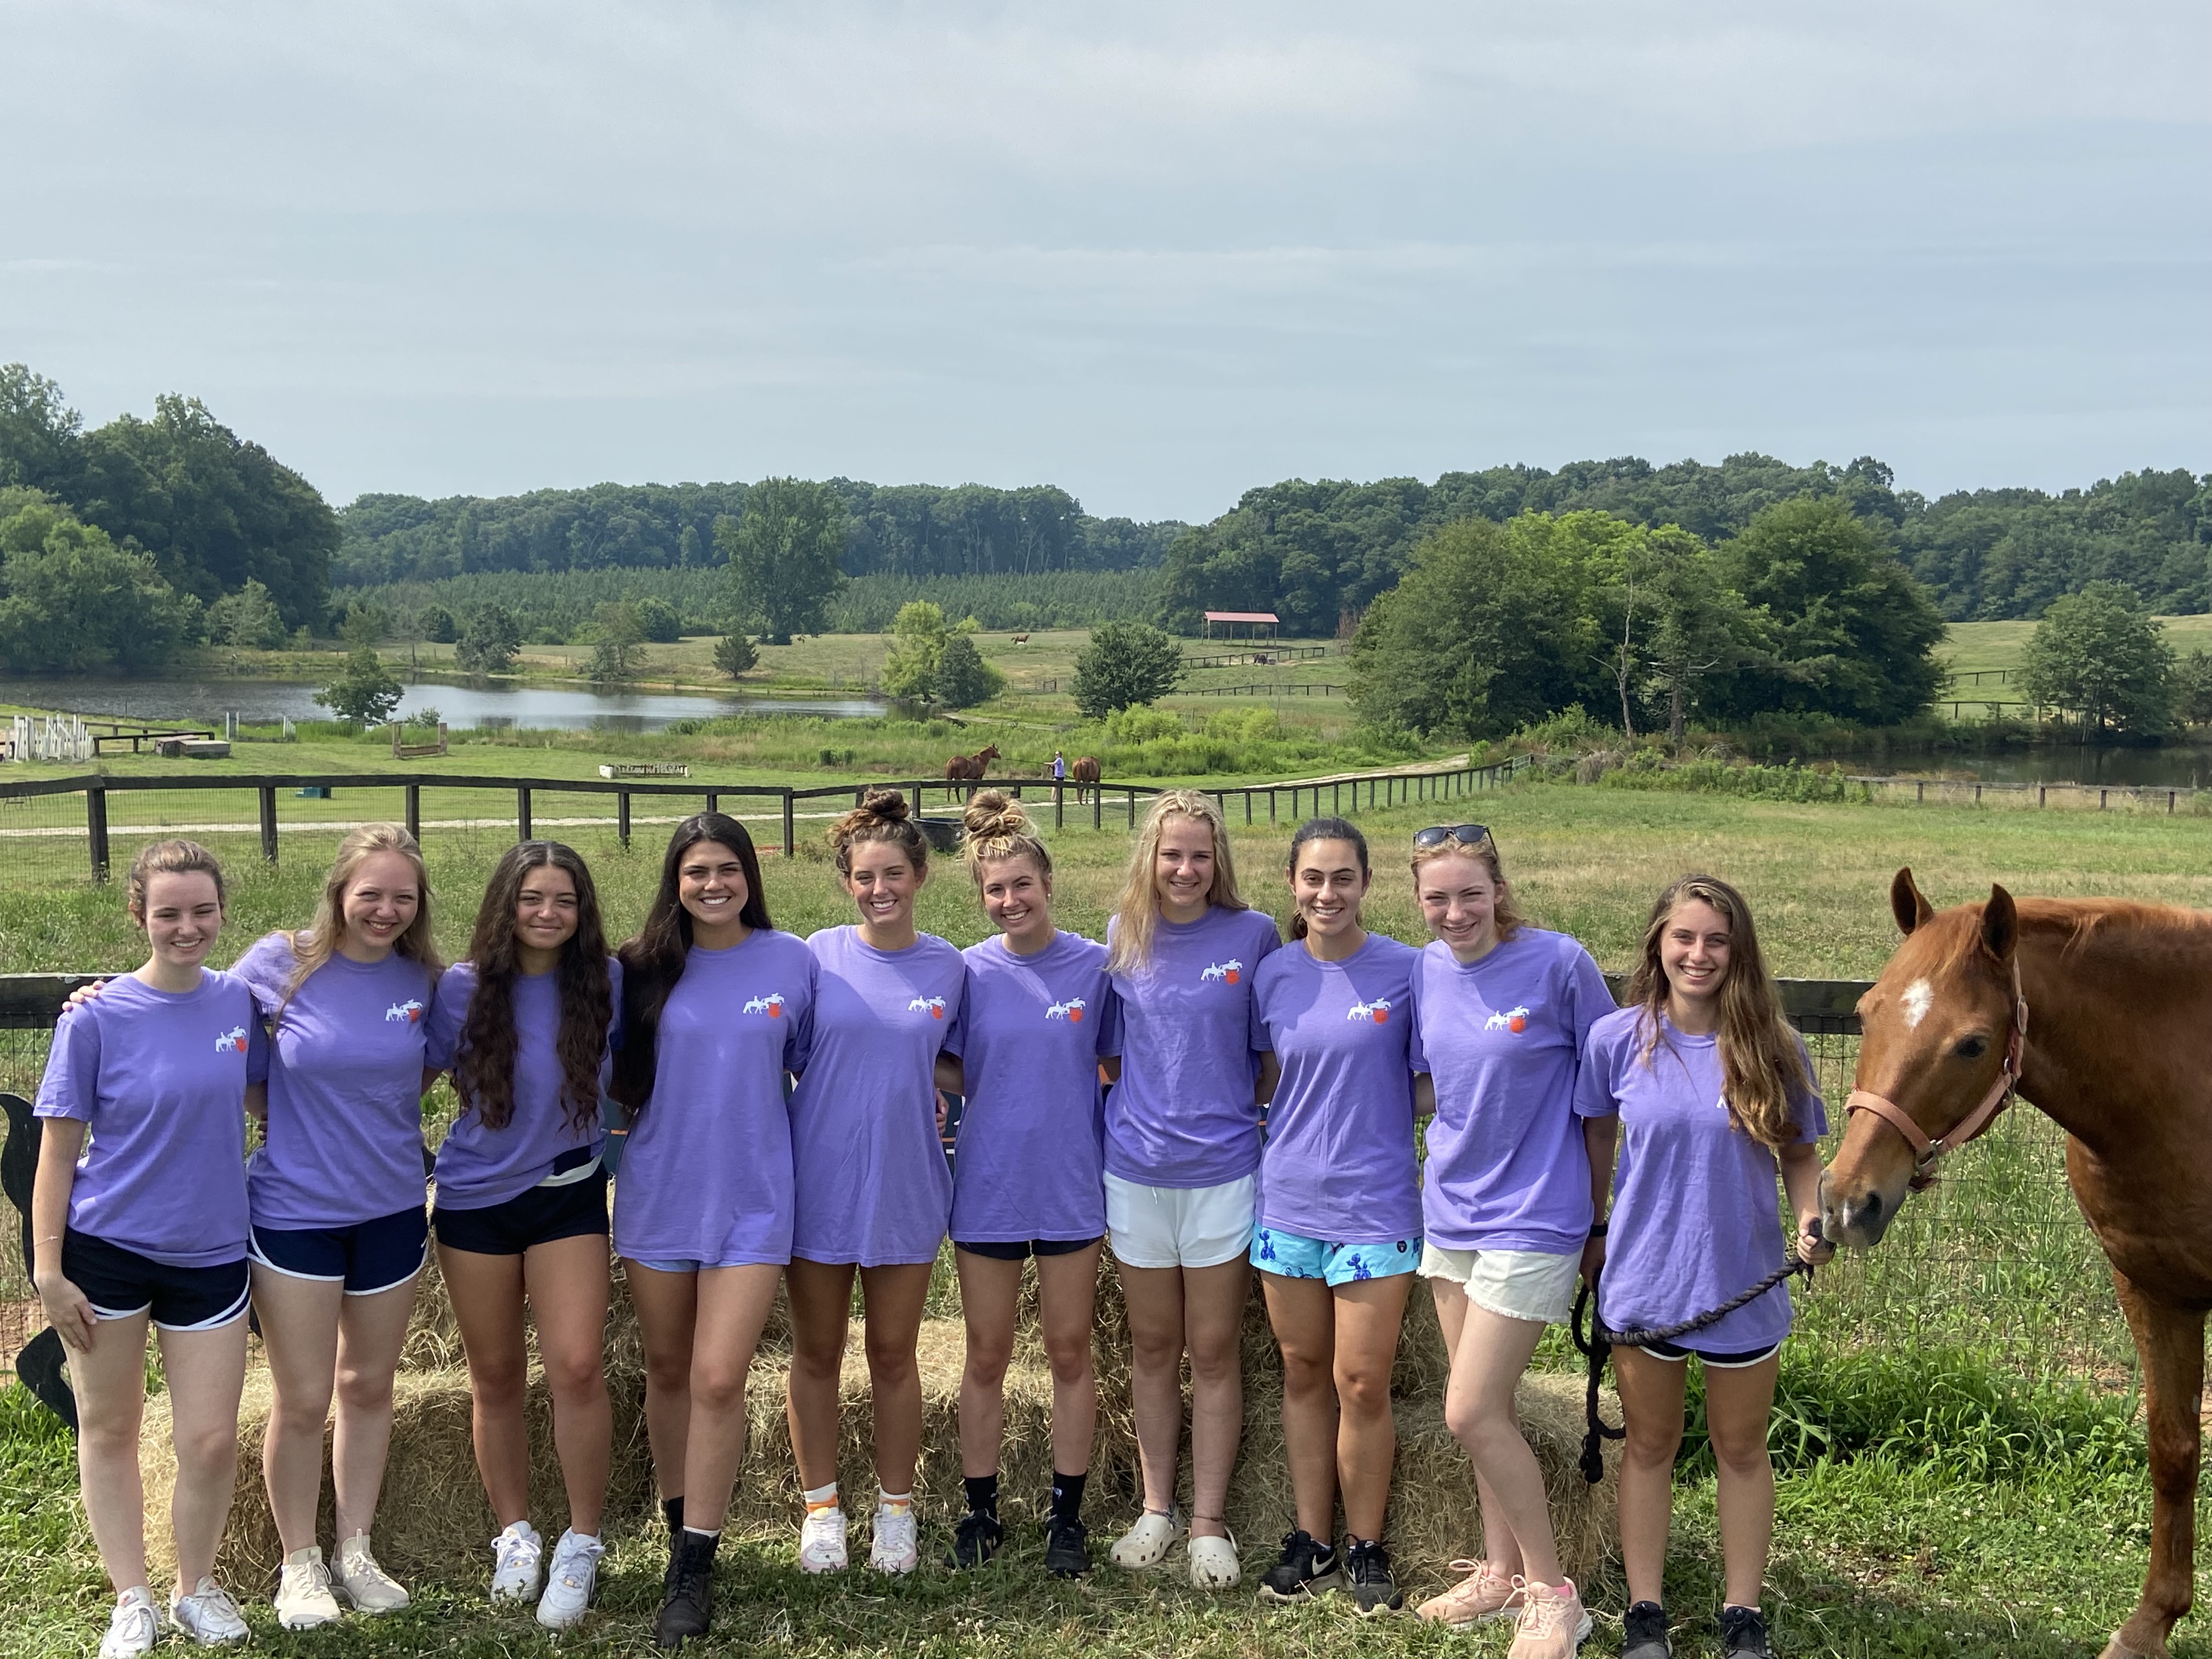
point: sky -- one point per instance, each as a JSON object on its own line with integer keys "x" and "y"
{"x": 1156, "y": 253}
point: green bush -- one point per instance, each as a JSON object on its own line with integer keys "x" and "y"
{"x": 1140, "y": 725}
{"x": 1645, "y": 769}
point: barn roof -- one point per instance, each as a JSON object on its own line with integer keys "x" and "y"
{"x": 1241, "y": 615}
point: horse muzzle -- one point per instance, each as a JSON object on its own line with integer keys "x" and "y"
{"x": 1856, "y": 1213}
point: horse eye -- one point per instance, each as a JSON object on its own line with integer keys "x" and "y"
{"x": 1973, "y": 1048}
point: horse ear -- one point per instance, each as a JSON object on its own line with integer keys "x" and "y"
{"x": 2000, "y": 924}
{"x": 1906, "y": 903}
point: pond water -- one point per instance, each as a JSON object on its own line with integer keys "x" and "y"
{"x": 2177, "y": 765}
{"x": 461, "y": 702}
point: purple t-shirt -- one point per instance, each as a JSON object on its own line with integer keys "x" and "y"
{"x": 1183, "y": 1115}
{"x": 344, "y": 1138}
{"x": 1339, "y": 1162}
{"x": 478, "y": 1166}
{"x": 1695, "y": 1216}
{"x": 160, "y": 1077}
{"x": 873, "y": 1188}
{"x": 1501, "y": 1038}
{"x": 706, "y": 1174}
{"x": 1031, "y": 1144}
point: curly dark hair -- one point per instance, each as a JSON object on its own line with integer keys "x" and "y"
{"x": 483, "y": 1068}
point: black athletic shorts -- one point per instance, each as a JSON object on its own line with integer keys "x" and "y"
{"x": 367, "y": 1257}
{"x": 120, "y": 1283}
{"x": 537, "y": 1215}
{"x": 1021, "y": 1249}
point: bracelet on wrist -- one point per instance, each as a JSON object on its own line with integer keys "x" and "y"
{"x": 1597, "y": 1228}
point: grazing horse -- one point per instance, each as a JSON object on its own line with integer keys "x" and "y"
{"x": 1021, "y": 639}
{"x": 1085, "y": 773}
{"x": 969, "y": 769}
{"x": 2100, "y": 1011}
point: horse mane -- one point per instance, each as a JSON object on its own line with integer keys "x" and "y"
{"x": 2075, "y": 925}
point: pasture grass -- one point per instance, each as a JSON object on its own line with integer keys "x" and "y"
{"x": 1985, "y": 644}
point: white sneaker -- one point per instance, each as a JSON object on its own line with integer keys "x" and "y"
{"x": 894, "y": 1548}
{"x": 1147, "y": 1543}
{"x": 303, "y": 1592}
{"x": 1213, "y": 1563}
{"x": 208, "y": 1615}
{"x": 368, "y": 1586}
{"x": 516, "y": 1555}
{"x": 822, "y": 1540}
{"x": 569, "y": 1581}
{"x": 133, "y": 1628}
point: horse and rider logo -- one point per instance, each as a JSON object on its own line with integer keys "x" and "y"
{"x": 771, "y": 1004}
{"x": 934, "y": 1004}
{"x": 1513, "y": 1019}
{"x": 231, "y": 1042}
{"x": 1379, "y": 1010}
{"x": 1072, "y": 1009}
{"x": 410, "y": 1012}
{"x": 1226, "y": 972}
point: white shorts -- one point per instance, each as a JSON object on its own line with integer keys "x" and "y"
{"x": 1530, "y": 1285}
{"x": 1179, "y": 1226}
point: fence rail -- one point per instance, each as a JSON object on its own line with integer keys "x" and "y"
{"x": 99, "y": 827}
{"x": 1288, "y": 688}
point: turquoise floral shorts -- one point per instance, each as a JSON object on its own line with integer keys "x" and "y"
{"x": 1296, "y": 1256}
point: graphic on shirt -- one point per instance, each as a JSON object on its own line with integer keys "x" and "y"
{"x": 1513, "y": 1019}
{"x": 233, "y": 1041}
{"x": 1071, "y": 1009}
{"x": 1226, "y": 971}
{"x": 410, "y": 1011}
{"x": 771, "y": 1004}
{"x": 934, "y": 1004}
{"x": 1379, "y": 1010}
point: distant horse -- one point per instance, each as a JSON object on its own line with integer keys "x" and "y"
{"x": 1084, "y": 772}
{"x": 969, "y": 768}
{"x": 2100, "y": 1010}
{"x": 1021, "y": 639}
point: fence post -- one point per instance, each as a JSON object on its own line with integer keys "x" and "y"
{"x": 522, "y": 812}
{"x": 1059, "y": 805}
{"x": 713, "y": 801}
{"x": 1248, "y": 809}
{"x": 415, "y": 811}
{"x": 269, "y": 822}
{"x": 2169, "y": 803}
{"x": 1271, "y": 806}
{"x": 1098, "y": 807}
{"x": 1919, "y": 794}
{"x": 1132, "y": 789}
{"x": 1336, "y": 797}
{"x": 2041, "y": 795}
{"x": 2101, "y": 795}
{"x": 95, "y": 824}
{"x": 622, "y": 816}
{"x": 790, "y": 829}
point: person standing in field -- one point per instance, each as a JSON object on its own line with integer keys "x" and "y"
{"x": 1510, "y": 1199}
{"x": 147, "y": 1224}
{"x": 1337, "y": 1231}
{"x": 874, "y": 1195}
{"x": 1059, "y": 767}
{"x": 1712, "y": 1094}
{"x": 1028, "y": 1175}
{"x": 1182, "y": 1148}
{"x": 521, "y": 1214}
{"x": 717, "y": 1008}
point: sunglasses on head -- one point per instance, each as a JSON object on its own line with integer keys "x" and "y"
{"x": 1466, "y": 835}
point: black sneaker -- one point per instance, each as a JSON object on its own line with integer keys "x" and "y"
{"x": 1644, "y": 1632}
{"x": 1066, "y": 1547}
{"x": 976, "y": 1539}
{"x": 1367, "y": 1575}
{"x": 689, "y": 1608}
{"x": 1308, "y": 1568}
{"x": 1743, "y": 1633}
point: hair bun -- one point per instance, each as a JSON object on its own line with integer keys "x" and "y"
{"x": 887, "y": 805}
{"x": 993, "y": 815}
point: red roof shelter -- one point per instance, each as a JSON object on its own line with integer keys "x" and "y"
{"x": 1230, "y": 620}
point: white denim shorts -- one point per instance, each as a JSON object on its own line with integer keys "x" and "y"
{"x": 1518, "y": 1283}
{"x": 1179, "y": 1226}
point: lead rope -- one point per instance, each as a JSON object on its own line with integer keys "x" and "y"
{"x": 1598, "y": 1348}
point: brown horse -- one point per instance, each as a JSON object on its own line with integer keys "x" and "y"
{"x": 2105, "y": 1009}
{"x": 969, "y": 768}
{"x": 1085, "y": 773}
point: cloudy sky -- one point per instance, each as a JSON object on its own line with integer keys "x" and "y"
{"x": 1156, "y": 253}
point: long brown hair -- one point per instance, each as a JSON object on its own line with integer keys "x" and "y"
{"x": 1505, "y": 917}
{"x": 1762, "y": 1062}
{"x": 483, "y": 1070}
{"x": 315, "y": 944}
{"x": 1137, "y": 914}
{"x": 653, "y": 961}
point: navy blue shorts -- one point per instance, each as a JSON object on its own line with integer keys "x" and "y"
{"x": 1719, "y": 1361}
{"x": 537, "y": 1215}
{"x": 120, "y": 1283}
{"x": 1021, "y": 1249}
{"x": 366, "y": 1257}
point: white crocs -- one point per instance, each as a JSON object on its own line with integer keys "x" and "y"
{"x": 1213, "y": 1563}
{"x": 1147, "y": 1543}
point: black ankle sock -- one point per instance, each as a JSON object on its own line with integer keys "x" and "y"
{"x": 673, "y": 1509}
{"x": 1067, "y": 1495}
{"x": 983, "y": 1494}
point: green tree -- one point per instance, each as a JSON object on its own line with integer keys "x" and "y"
{"x": 365, "y": 623}
{"x": 2099, "y": 652}
{"x": 734, "y": 653}
{"x": 365, "y": 692}
{"x": 39, "y": 434}
{"x": 659, "y": 620}
{"x": 438, "y": 625}
{"x": 785, "y": 554}
{"x": 1125, "y": 666}
{"x": 963, "y": 679}
{"x": 73, "y": 602}
{"x": 248, "y": 618}
{"x": 618, "y": 643}
{"x": 919, "y": 634}
{"x": 489, "y": 643}
{"x": 1700, "y": 630}
{"x": 2192, "y": 687}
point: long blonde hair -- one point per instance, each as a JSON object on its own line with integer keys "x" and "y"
{"x": 1137, "y": 913}
{"x": 1762, "y": 1061}
{"x": 1505, "y": 917}
{"x": 315, "y": 944}
{"x": 997, "y": 829}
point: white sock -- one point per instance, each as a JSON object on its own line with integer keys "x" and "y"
{"x": 820, "y": 1496}
{"x": 885, "y": 1500}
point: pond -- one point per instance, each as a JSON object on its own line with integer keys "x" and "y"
{"x": 462, "y": 703}
{"x": 2176, "y": 766}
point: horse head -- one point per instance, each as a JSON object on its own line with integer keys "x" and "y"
{"x": 1938, "y": 1052}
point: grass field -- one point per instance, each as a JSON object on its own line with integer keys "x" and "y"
{"x": 1944, "y": 1490}
{"x": 1986, "y": 645}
